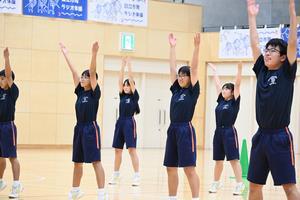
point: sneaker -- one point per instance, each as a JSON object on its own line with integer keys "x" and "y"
{"x": 75, "y": 194}
{"x": 114, "y": 179}
{"x": 102, "y": 197}
{"x": 2, "y": 185}
{"x": 215, "y": 186}
{"x": 136, "y": 180}
{"x": 239, "y": 188}
{"x": 15, "y": 191}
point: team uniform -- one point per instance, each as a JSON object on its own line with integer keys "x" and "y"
{"x": 181, "y": 137}
{"x": 86, "y": 141}
{"x": 8, "y": 130}
{"x": 272, "y": 145}
{"x": 225, "y": 142}
{"x": 125, "y": 129}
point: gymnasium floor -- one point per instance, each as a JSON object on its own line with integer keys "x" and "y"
{"x": 47, "y": 175}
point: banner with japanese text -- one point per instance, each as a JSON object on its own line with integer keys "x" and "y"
{"x": 125, "y": 12}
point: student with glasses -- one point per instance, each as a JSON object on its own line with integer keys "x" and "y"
{"x": 272, "y": 146}
{"x": 181, "y": 138}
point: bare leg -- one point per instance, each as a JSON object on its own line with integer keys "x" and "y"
{"x": 193, "y": 179}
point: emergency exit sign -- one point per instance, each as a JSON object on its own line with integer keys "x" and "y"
{"x": 127, "y": 41}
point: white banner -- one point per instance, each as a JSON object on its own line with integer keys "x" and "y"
{"x": 11, "y": 6}
{"x": 236, "y": 43}
{"x": 126, "y": 12}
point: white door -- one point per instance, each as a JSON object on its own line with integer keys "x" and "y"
{"x": 157, "y": 106}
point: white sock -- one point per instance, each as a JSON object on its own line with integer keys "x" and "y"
{"x": 136, "y": 174}
{"x": 217, "y": 182}
{"x": 75, "y": 189}
{"x": 15, "y": 183}
{"x": 116, "y": 173}
{"x": 239, "y": 183}
{"x": 101, "y": 192}
{"x": 197, "y": 198}
{"x": 172, "y": 197}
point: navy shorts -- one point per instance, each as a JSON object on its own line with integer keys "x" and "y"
{"x": 125, "y": 132}
{"x": 272, "y": 150}
{"x": 8, "y": 140}
{"x": 180, "y": 145}
{"x": 86, "y": 143}
{"x": 226, "y": 143}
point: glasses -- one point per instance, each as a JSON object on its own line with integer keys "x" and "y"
{"x": 85, "y": 77}
{"x": 182, "y": 75}
{"x": 271, "y": 50}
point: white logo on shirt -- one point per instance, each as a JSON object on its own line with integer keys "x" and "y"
{"x": 3, "y": 97}
{"x": 181, "y": 98}
{"x": 85, "y": 100}
{"x": 272, "y": 80}
{"x": 225, "y": 107}
{"x": 127, "y": 100}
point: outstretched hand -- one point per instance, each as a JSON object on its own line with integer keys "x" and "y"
{"x": 6, "y": 53}
{"x": 63, "y": 48}
{"x": 95, "y": 47}
{"x": 197, "y": 39}
{"x": 124, "y": 61}
{"x": 128, "y": 60}
{"x": 253, "y": 7}
{"x": 172, "y": 40}
{"x": 240, "y": 65}
{"x": 212, "y": 66}
{"x": 292, "y": 7}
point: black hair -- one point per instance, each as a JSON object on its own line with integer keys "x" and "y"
{"x": 2, "y": 73}
{"x": 185, "y": 70}
{"x": 126, "y": 81}
{"x": 280, "y": 43}
{"x": 87, "y": 73}
{"x": 137, "y": 108}
{"x": 229, "y": 86}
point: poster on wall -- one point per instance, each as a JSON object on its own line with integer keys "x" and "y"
{"x": 285, "y": 35}
{"x": 11, "y": 6}
{"x": 236, "y": 43}
{"x": 69, "y": 9}
{"x": 125, "y": 12}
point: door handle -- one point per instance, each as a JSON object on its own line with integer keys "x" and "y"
{"x": 159, "y": 117}
{"x": 165, "y": 117}
{"x": 117, "y": 113}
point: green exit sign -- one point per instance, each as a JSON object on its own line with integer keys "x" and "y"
{"x": 127, "y": 41}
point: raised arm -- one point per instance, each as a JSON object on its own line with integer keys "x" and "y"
{"x": 216, "y": 78}
{"x": 292, "y": 44}
{"x": 253, "y": 10}
{"x": 173, "y": 72}
{"x": 93, "y": 77}
{"x": 130, "y": 75}
{"x": 121, "y": 74}
{"x": 238, "y": 80}
{"x": 75, "y": 75}
{"x": 7, "y": 67}
{"x": 194, "y": 64}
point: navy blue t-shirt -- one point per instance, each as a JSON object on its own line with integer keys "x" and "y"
{"x": 183, "y": 102}
{"x": 227, "y": 111}
{"x": 87, "y": 104}
{"x": 274, "y": 94}
{"x": 128, "y": 104}
{"x": 8, "y": 100}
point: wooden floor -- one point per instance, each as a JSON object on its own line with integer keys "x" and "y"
{"x": 47, "y": 174}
